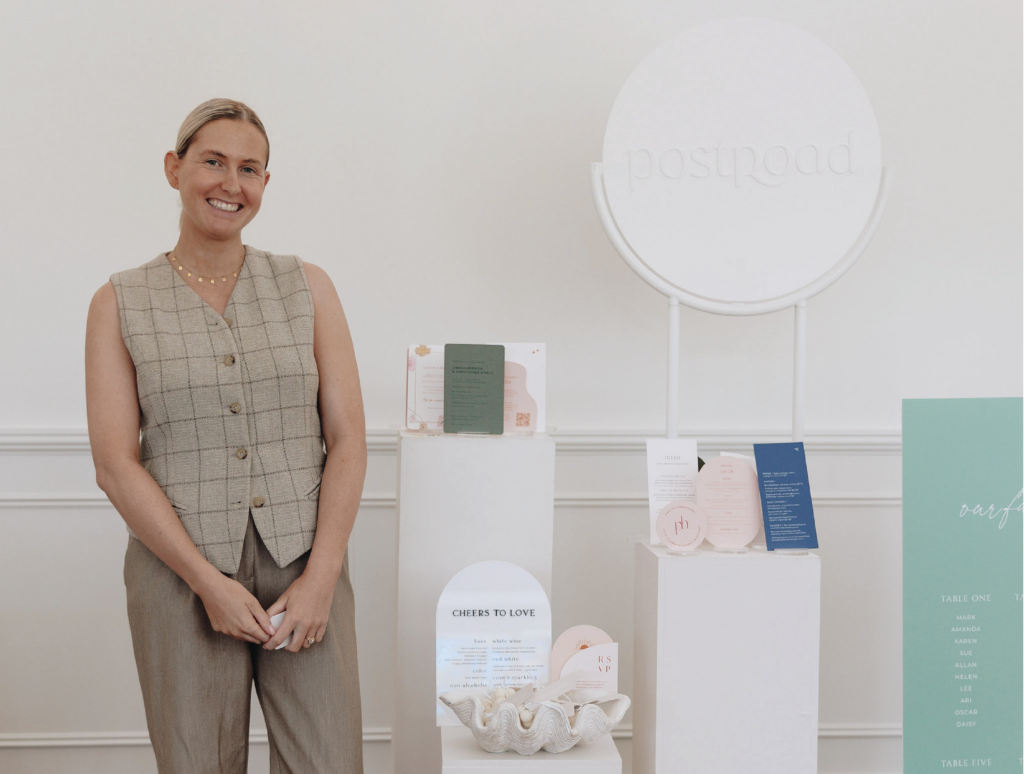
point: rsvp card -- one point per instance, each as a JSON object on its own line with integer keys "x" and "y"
{"x": 785, "y": 495}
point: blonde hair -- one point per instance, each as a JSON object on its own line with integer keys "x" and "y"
{"x": 214, "y": 110}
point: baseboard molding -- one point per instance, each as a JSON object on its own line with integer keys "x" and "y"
{"x": 384, "y": 440}
{"x": 370, "y": 735}
{"x": 135, "y": 738}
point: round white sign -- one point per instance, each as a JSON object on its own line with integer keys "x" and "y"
{"x": 742, "y": 161}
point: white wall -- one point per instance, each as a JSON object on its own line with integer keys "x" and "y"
{"x": 433, "y": 157}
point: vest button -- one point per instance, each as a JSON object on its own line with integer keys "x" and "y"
{"x": 229, "y": 360}
{"x": 257, "y": 502}
{"x": 228, "y": 321}
{"x": 235, "y": 407}
{"x": 241, "y": 454}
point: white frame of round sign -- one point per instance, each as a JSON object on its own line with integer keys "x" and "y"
{"x": 795, "y": 209}
{"x": 736, "y": 308}
{"x": 742, "y": 167}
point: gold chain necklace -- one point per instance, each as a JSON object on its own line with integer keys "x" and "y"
{"x": 211, "y": 280}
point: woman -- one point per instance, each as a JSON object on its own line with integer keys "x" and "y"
{"x": 238, "y": 369}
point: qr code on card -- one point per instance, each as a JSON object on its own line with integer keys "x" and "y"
{"x": 522, "y": 420}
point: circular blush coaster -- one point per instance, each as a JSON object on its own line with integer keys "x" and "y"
{"x": 572, "y": 641}
{"x": 681, "y": 526}
{"x": 728, "y": 496}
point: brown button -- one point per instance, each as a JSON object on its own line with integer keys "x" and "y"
{"x": 228, "y": 321}
{"x": 257, "y": 502}
{"x": 229, "y": 360}
{"x": 241, "y": 454}
{"x": 235, "y": 407}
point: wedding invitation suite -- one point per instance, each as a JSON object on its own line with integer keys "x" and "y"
{"x": 671, "y": 476}
{"x": 785, "y": 495}
{"x": 493, "y": 629}
{"x": 727, "y": 496}
{"x": 424, "y": 387}
{"x": 523, "y": 410}
{"x": 474, "y": 389}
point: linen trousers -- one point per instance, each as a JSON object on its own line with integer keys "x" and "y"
{"x": 197, "y": 683}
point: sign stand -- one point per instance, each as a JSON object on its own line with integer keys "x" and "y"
{"x": 741, "y": 175}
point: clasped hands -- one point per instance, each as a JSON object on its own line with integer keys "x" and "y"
{"x": 306, "y": 604}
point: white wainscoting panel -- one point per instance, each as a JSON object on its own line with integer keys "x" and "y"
{"x": 69, "y": 697}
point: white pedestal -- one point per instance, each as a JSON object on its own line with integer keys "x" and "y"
{"x": 461, "y": 499}
{"x": 460, "y": 754}
{"x": 725, "y": 663}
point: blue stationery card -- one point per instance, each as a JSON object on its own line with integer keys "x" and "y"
{"x": 785, "y": 495}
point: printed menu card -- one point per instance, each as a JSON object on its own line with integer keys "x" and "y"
{"x": 785, "y": 495}
{"x": 493, "y": 629}
{"x": 963, "y": 495}
{"x": 671, "y": 476}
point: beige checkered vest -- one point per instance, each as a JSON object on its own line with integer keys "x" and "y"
{"x": 229, "y": 404}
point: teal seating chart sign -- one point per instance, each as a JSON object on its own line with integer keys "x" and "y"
{"x": 962, "y": 584}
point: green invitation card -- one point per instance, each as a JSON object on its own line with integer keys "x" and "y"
{"x": 962, "y": 566}
{"x": 474, "y": 388}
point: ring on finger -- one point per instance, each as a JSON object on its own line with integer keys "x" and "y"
{"x": 309, "y": 641}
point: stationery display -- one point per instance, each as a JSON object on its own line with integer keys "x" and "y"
{"x": 727, "y": 497}
{"x": 523, "y": 375}
{"x": 553, "y": 717}
{"x": 591, "y": 651}
{"x": 474, "y": 388}
{"x": 493, "y": 629}
{"x": 963, "y": 497}
{"x": 671, "y": 477}
{"x": 785, "y": 496}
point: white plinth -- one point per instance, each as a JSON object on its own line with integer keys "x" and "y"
{"x": 725, "y": 663}
{"x": 461, "y": 499}
{"x": 461, "y": 754}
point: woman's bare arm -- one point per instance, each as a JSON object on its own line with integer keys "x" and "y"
{"x": 344, "y": 429}
{"x": 113, "y": 409}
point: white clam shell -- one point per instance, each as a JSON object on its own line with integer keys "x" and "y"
{"x": 551, "y": 729}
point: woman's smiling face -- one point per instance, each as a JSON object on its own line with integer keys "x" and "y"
{"x": 221, "y": 177}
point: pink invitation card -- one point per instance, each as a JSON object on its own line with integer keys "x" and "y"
{"x": 728, "y": 496}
